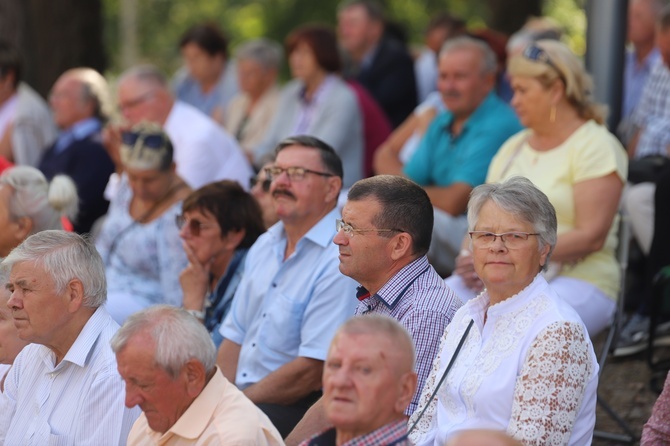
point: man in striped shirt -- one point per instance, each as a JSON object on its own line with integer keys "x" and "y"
{"x": 63, "y": 388}
{"x": 383, "y": 237}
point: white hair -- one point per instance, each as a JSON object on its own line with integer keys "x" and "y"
{"x": 266, "y": 53}
{"x": 489, "y": 64}
{"x": 34, "y": 197}
{"x": 64, "y": 256}
{"x": 179, "y": 337}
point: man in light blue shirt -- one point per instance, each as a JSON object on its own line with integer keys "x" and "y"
{"x": 292, "y": 296}
{"x": 454, "y": 154}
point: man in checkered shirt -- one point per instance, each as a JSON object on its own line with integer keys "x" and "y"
{"x": 383, "y": 238}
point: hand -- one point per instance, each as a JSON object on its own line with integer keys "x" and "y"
{"x": 465, "y": 268}
{"x": 194, "y": 280}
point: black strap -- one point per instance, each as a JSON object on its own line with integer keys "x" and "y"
{"x": 444, "y": 375}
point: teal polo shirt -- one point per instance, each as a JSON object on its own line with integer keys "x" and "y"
{"x": 442, "y": 160}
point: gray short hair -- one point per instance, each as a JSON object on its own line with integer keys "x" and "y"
{"x": 379, "y": 324}
{"x": 34, "y": 197}
{"x": 264, "y": 52}
{"x": 178, "y": 336}
{"x": 489, "y": 63}
{"x": 146, "y": 74}
{"x": 64, "y": 256}
{"x": 520, "y": 197}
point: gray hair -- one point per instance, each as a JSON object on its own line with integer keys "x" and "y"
{"x": 379, "y": 324}
{"x": 94, "y": 89}
{"x": 489, "y": 64}
{"x": 146, "y": 74}
{"x": 521, "y": 198}
{"x": 64, "y": 256}
{"x": 34, "y": 197}
{"x": 178, "y": 336}
{"x": 264, "y": 52}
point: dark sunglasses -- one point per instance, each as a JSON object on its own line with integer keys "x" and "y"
{"x": 537, "y": 54}
{"x": 194, "y": 226}
{"x": 152, "y": 141}
{"x": 265, "y": 183}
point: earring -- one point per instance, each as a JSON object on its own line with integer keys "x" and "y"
{"x": 552, "y": 114}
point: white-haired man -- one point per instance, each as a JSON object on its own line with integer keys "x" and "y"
{"x": 168, "y": 363}
{"x": 63, "y": 388}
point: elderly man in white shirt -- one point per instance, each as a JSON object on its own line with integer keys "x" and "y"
{"x": 63, "y": 388}
{"x": 203, "y": 151}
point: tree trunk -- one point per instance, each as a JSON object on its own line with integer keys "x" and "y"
{"x": 53, "y": 36}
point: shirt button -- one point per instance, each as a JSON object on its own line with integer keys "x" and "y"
{"x": 244, "y": 374}
{"x": 274, "y": 285}
{"x": 253, "y": 345}
{"x": 263, "y": 314}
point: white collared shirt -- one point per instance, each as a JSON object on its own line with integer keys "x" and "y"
{"x": 79, "y": 402}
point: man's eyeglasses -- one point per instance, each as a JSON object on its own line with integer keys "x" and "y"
{"x": 349, "y": 230}
{"x": 294, "y": 173}
{"x": 148, "y": 140}
{"x": 194, "y": 225}
{"x": 537, "y": 54}
{"x": 137, "y": 101}
{"x": 512, "y": 240}
{"x": 265, "y": 183}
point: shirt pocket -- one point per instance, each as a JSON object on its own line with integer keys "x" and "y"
{"x": 281, "y": 328}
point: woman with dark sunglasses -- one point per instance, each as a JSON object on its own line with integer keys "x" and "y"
{"x": 566, "y": 151}
{"x": 138, "y": 240}
{"x": 219, "y": 223}
{"x": 260, "y": 189}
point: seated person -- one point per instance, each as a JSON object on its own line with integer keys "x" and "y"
{"x": 526, "y": 365}
{"x": 208, "y": 80}
{"x": 457, "y": 148}
{"x": 62, "y": 388}
{"x": 368, "y": 382}
{"x": 30, "y": 204}
{"x": 656, "y": 430}
{"x": 292, "y": 296}
{"x": 27, "y": 128}
{"x": 168, "y": 363}
{"x": 81, "y": 107}
{"x": 10, "y": 342}
{"x": 139, "y": 241}
{"x": 218, "y": 224}
{"x": 572, "y": 157}
{"x": 250, "y": 112}
{"x": 318, "y": 102}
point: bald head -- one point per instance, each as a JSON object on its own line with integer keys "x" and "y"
{"x": 78, "y": 94}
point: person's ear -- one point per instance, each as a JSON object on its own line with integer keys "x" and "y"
{"x": 334, "y": 186}
{"x": 195, "y": 377}
{"x": 74, "y": 293}
{"x": 233, "y": 239}
{"x": 24, "y": 227}
{"x": 407, "y": 385}
{"x": 401, "y": 245}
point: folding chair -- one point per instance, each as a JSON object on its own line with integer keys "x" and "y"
{"x": 612, "y": 336}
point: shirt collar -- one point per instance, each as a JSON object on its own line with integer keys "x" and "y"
{"x": 393, "y": 290}
{"x": 85, "y": 128}
{"x": 195, "y": 420}
{"x": 322, "y": 233}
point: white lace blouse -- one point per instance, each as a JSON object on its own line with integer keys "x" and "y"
{"x": 530, "y": 371}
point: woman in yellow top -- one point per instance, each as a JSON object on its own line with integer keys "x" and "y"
{"x": 571, "y": 156}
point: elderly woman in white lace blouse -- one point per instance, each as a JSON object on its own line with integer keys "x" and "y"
{"x": 526, "y": 365}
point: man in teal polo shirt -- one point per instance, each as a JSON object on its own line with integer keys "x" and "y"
{"x": 455, "y": 152}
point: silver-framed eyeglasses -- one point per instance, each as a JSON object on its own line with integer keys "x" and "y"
{"x": 295, "y": 173}
{"x": 349, "y": 230}
{"x": 512, "y": 240}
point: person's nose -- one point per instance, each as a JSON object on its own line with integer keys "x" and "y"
{"x": 341, "y": 239}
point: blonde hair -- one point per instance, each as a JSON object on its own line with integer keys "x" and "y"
{"x": 564, "y": 66}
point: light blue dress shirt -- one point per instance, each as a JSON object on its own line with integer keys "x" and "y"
{"x": 288, "y": 308}
{"x": 634, "y": 79}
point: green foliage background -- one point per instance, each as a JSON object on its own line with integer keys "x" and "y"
{"x": 161, "y": 22}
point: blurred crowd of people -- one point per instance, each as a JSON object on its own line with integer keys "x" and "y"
{"x": 392, "y": 248}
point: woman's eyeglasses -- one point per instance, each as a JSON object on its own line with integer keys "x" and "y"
{"x": 265, "y": 183}
{"x": 512, "y": 240}
{"x": 194, "y": 225}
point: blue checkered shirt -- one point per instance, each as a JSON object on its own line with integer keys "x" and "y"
{"x": 417, "y": 298}
{"x": 392, "y": 434}
{"x": 652, "y": 115}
